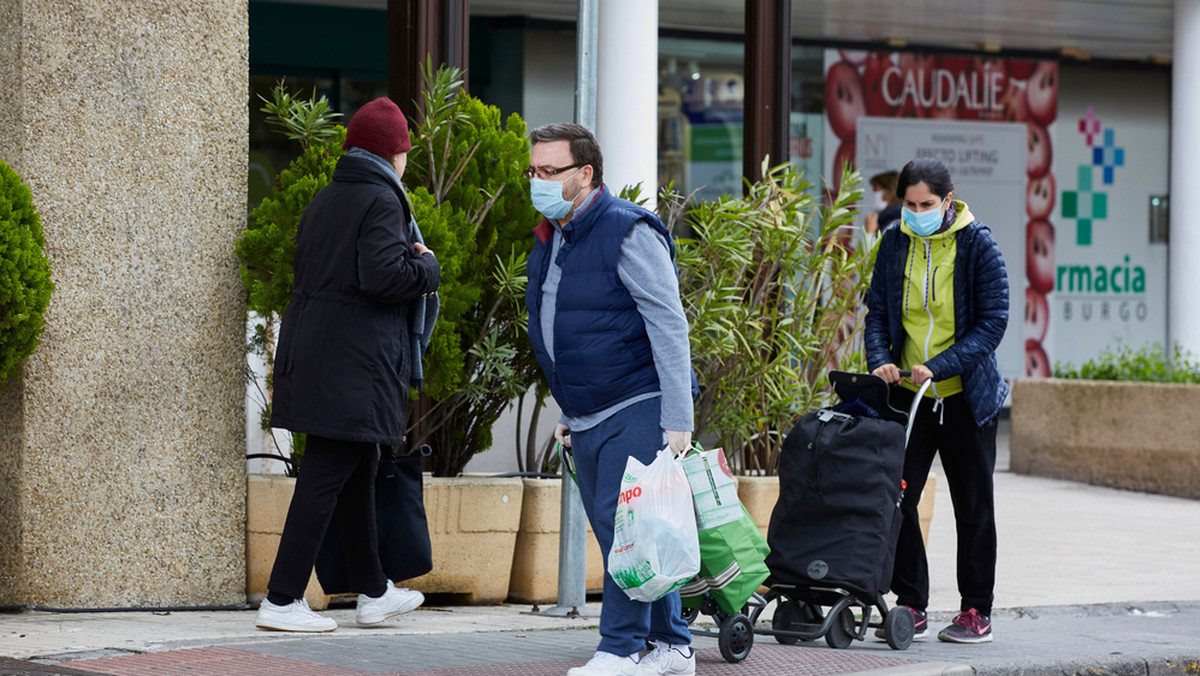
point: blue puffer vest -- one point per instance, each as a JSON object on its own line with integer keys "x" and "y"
{"x": 980, "y": 315}
{"x": 603, "y": 352}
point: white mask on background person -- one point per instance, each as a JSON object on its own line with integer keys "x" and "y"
{"x": 879, "y": 204}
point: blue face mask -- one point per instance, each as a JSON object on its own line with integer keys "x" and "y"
{"x": 923, "y": 223}
{"x": 547, "y": 197}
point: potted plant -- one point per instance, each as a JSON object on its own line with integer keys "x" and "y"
{"x": 1121, "y": 420}
{"x": 471, "y": 200}
{"x": 467, "y": 192}
{"x": 266, "y": 249}
{"x": 772, "y": 283}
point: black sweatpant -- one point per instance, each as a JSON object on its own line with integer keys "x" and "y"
{"x": 336, "y": 480}
{"x": 968, "y": 454}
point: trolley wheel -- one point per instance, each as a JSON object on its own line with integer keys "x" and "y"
{"x": 689, "y": 615}
{"x": 787, "y": 616}
{"x": 841, "y": 631}
{"x": 898, "y": 628}
{"x": 736, "y": 638}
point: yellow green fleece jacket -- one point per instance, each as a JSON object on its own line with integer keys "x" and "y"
{"x": 928, "y": 308}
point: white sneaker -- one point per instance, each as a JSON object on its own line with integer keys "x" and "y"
{"x": 607, "y": 664}
{"x": 668, "y": 659}
{"x": 393, "y": 602}
{"x": 295, "y": 616}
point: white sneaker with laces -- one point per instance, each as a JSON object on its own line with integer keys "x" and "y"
{"x": 668, "y": 659}
{"x": 607, "y": 664}
{"x": 395, "y": 601}
{"x": 295, "y": 616}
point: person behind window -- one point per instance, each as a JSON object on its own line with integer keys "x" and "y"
{"x": 885, "y": 205}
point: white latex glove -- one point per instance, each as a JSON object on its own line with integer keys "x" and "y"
{"x": 678, "y": 441}
{"x": 562, "y": 434}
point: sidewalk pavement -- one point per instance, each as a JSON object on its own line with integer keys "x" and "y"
{"x": 1089, "y": 581}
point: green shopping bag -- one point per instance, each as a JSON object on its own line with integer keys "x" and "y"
{"x": 732, "y": 548}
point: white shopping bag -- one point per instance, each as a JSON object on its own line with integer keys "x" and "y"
{"x": 656, "y": 548}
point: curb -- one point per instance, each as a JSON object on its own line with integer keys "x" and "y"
{"x": 925, "y": 669}
{"x": 1116, "y": 666}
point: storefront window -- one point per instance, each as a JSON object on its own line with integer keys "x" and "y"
{"x": 700, "y": 115}
{"x": 700, "y": 101}
{"x": 271, "y": 151}
{"x": 806, "y": 115}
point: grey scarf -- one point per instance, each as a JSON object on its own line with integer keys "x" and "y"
{"x": 423, "y": 311}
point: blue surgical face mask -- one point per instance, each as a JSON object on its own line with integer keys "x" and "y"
{"x": 547, "y": 197}
{"x": 923, "y": 223}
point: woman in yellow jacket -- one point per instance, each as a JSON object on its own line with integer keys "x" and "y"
{"x": 938, "y": 306}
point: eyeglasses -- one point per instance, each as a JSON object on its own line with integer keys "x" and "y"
{"x": 544, "y": 172}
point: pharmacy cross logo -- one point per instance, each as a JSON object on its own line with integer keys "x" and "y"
{"x": 1108, "y": 156}
{"x": 1085, "y": 204}
{"x": 1089, "y": 126}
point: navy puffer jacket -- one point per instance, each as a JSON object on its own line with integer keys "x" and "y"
{"x": 602, "y": 351}
{"x": 980, "y": 315}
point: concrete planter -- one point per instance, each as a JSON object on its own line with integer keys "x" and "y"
{"x": 759, "y": 495}
{"x": 267, "y": 500}
{"x": 1136, "y": 436}
{"x": 473, "y": 523}
{"x": 534, "y": 576}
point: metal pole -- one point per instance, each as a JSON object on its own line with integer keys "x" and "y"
{"x": 587, "y": 39}
{"x": 572, "y": 543}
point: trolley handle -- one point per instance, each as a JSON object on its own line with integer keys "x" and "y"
{"x": 912, "y": 411}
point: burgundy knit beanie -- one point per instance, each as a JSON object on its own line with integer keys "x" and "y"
{"x": 380, "y": 128}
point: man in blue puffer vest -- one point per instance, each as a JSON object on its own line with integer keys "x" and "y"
{"x": 608, "y": 329}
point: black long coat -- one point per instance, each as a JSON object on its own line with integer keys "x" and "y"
{"x": 344, "y": 359}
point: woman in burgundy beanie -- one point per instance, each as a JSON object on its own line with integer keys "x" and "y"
{"x": 350, "y": 346}
{"x": 380, "y": 128}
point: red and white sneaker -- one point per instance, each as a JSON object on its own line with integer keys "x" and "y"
{"x": 968, "y": 627}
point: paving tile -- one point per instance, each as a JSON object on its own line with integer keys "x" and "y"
{"x": 216, "y": 661}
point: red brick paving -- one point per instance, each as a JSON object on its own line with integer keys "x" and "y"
{"x": 765, "y": 658}
{"x": 770, "y": 659}
{"x": 208, "y": 662}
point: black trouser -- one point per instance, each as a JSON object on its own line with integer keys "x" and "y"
{"x": 968, "y": 454}
{"x": 336, "y": 480}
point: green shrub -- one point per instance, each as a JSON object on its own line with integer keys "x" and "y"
{"x": 772, "y": 286}
{"x": 267, "y": 246}
{"x": 1148, "y": 364}
{"x": 468, "y": 194}
{"x": 471, "y": 201}
{"x": 25, "y": 284}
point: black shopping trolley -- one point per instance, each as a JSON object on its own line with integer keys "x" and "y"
{"x": 833, "y": 530}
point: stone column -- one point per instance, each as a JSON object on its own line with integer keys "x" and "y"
{"x": 1183, "y": 322}
{"x": 627, "y": 94}
{"x": 122, "y": 471}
